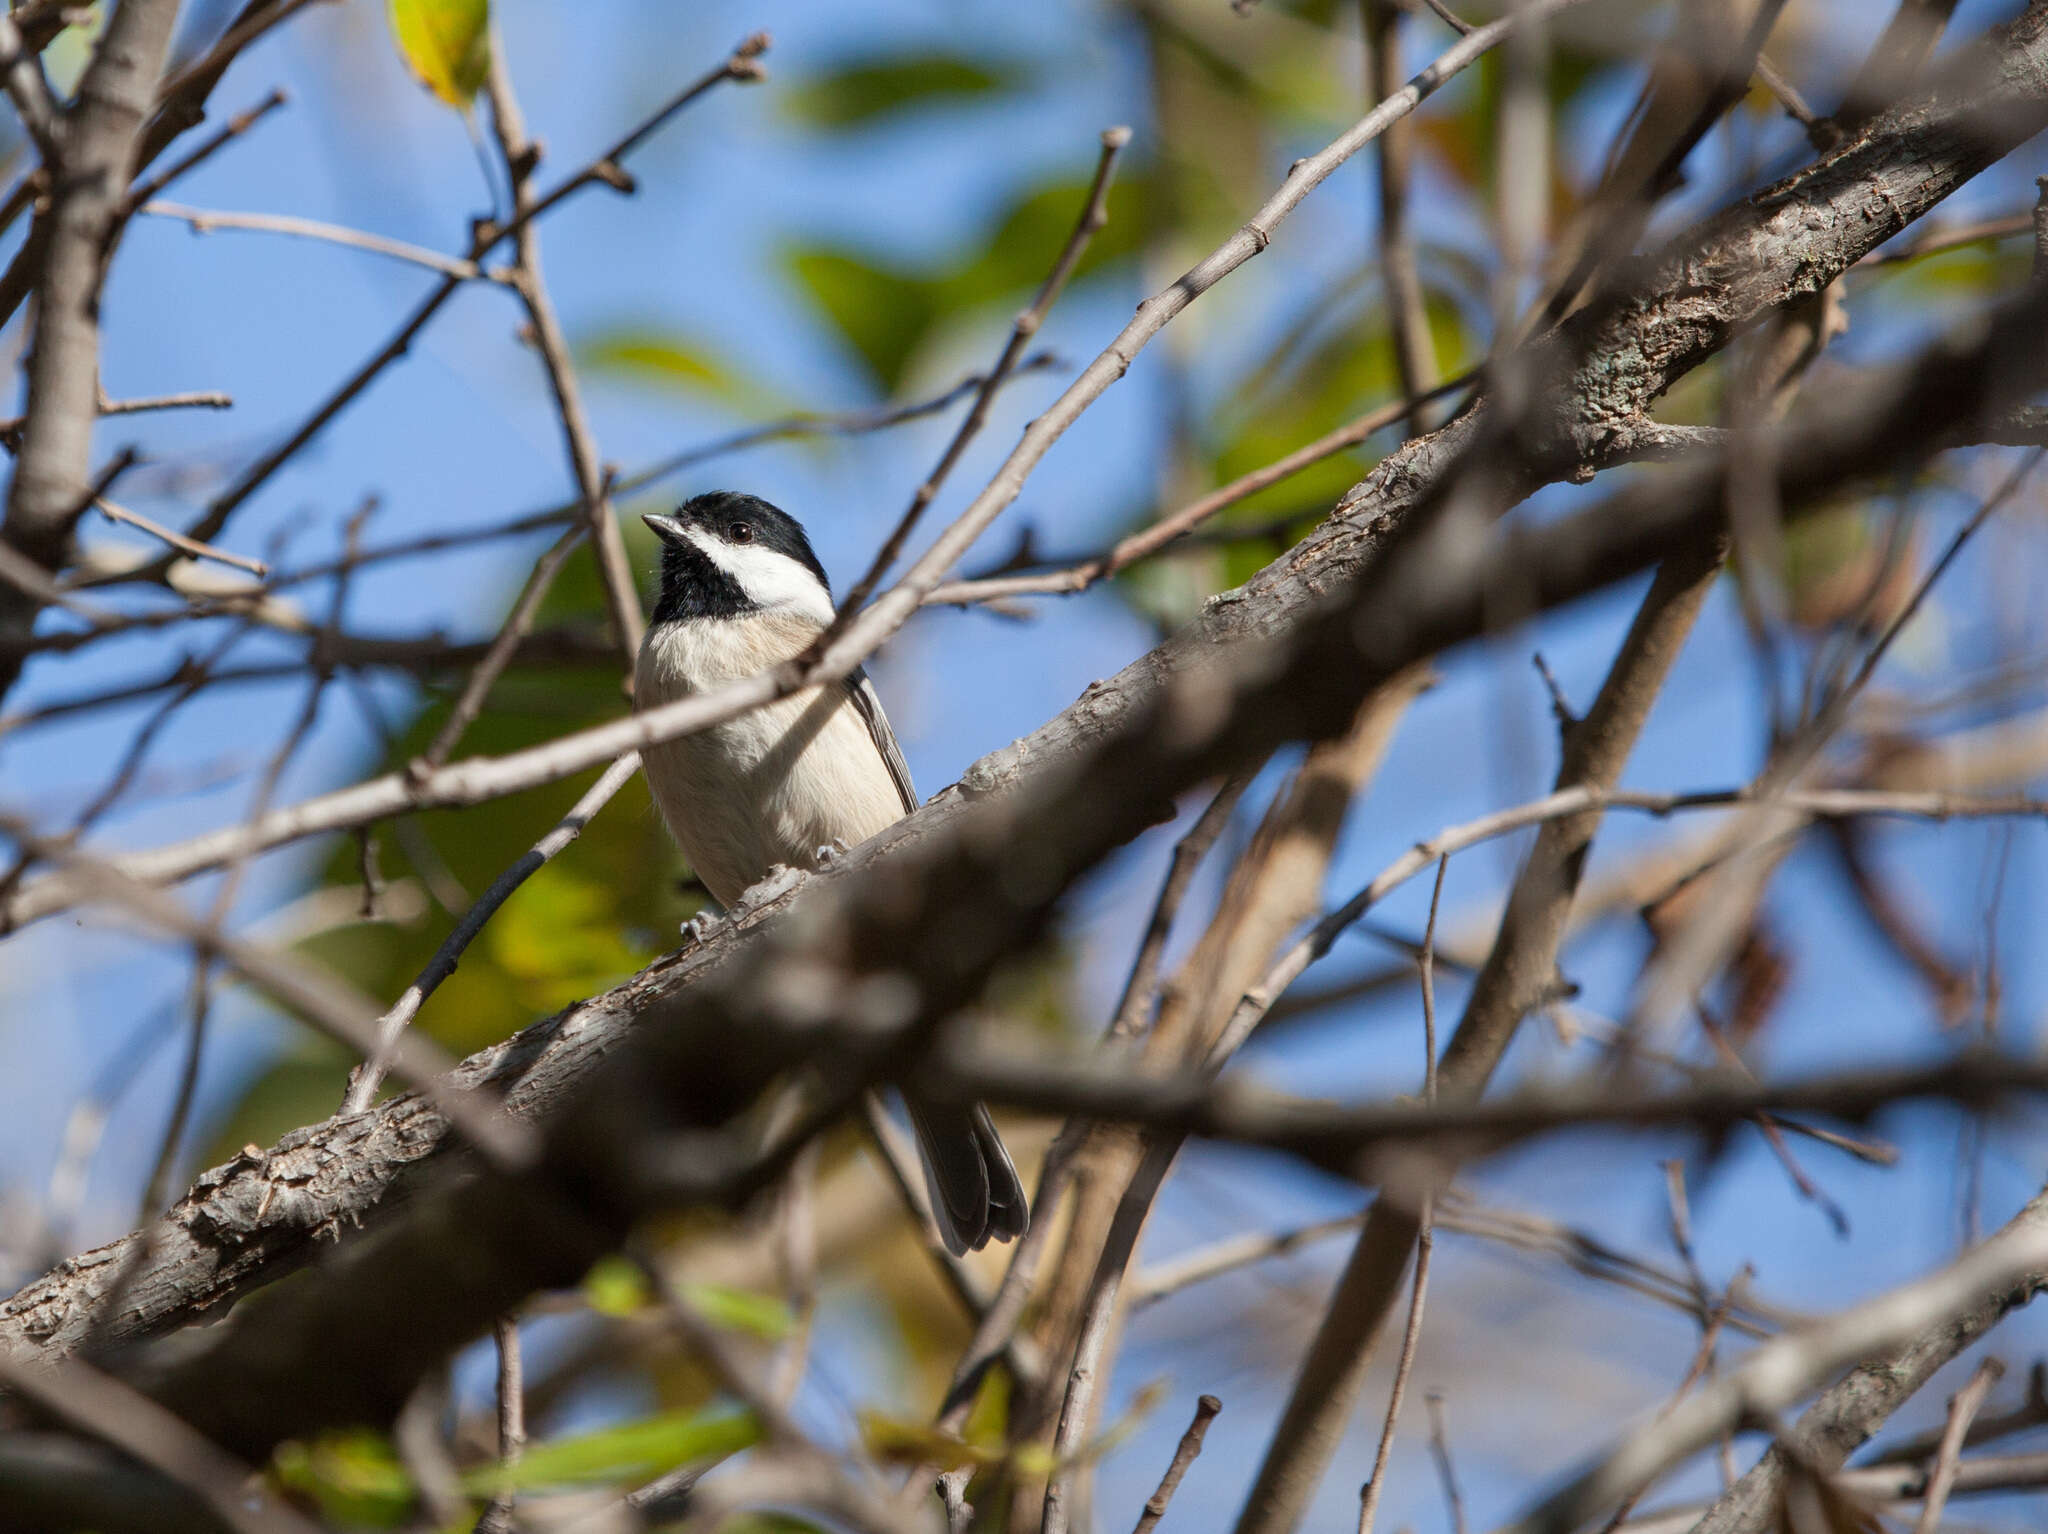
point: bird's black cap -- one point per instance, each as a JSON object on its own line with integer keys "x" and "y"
{"x": 692, "y": 586}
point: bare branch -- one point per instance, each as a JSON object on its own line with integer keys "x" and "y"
{"x": 104, "y": 1407}
{"x": 22, "y": 69}
{"x": 178, "y": 540}
{"x": 95, "y": 154}
{"x": 1880, "y": 1484}
{"x": 521, "y": 156}
{"x": 1941, "y": 1478}
{"x": 321, "y": 999}
{"x": 1094, "y": 215}
{"x": 142, "y": 191}
{"x": 2003, "y": 1271}
{"x": 387, "y": 796}
{"x": 365, "y": 1080}
{"x": 1206, "y": 1408}
{"x": 207, "y": 220}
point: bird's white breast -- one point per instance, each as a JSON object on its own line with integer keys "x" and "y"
{"x": 774, "y": 785}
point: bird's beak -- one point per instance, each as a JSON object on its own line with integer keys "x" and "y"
{"x": 667, "y": 529}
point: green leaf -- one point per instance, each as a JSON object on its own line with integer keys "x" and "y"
{"x": 354, "y": 1478}
{"x": 447, "y": 43}
{"x": 888, "y": 312}
{"x": 740, "y": 1310}
{"x": 616, "y": 1287}
{"x": 883, "y": 314}
{"x": 652, "y": 354}
{"x": 870, "y": 90}
{"x": 905, "y": 1441}
{"x": 902, "y": 1439}
{"x": 631, "y": 1450}
{"x": 1019, "y": 250}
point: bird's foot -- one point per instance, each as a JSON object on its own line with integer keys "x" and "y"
{"x": 770, "y": 887}
{"x": 830, "y": 853}
{"x": 701, "y": 926}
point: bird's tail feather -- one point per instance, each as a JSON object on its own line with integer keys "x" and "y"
{"x": 975, "y": 1192}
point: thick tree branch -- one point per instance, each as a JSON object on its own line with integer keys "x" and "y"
{"x": 1909, "y": 1331}
{"x": 1429, "y": 593}
{"x": 1518, "y": 970}
{"x": 479, "y": 779}
{"x": 922, "y": 896}
{"x": 95, "y": 147}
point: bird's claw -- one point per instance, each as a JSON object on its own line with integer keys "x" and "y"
{"x": 701, "y": 926}
{"x": 768, "y": 888}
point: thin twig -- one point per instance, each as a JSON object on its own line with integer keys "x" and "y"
{"x": 1938, "y": 238}
{"x": 1176, "y": 524}
{"x": 518, "y": 622}
{"x": 1961, "y": 1410}
{"x": 207, "y": 220}
{"x": 1567, "y": 802}
{"x": 2032, "y": 1412}
{"x": 110, "y": 1410}
{"x": 521, "y": 156}
{"x": 1702, "y": 1362}
{"x": 1407, "y": 302}
{"x": 1425, "y": 1237}
{"x": 1094, "y": 214}
{"x": 143, "y": 191}
{"x": 1776, "y": 82}
{"x": 1168, "y": 1278}
{"x": 1206, "y": 1408}
{"x": 842, "y": 423}
{"x": 1188, "y": 853}
{"x": 1879, "y": 1485}
{"x": 178, "y": 540}
{"x": 390, "y": 1029}
{"x": 497, "y": 1517}
{"x": 1440, "y": 1450}
{"x": 1449, "y": 18}
{"x": 189, "y": 399}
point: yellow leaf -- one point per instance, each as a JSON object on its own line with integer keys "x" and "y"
{"x": 447, "y": 43}
{"x": 615, "y": 1287}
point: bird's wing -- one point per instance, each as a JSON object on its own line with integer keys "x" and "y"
{"x": 862, "y": 692}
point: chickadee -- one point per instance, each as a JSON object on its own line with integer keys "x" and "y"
{"x": 794, "y": 781}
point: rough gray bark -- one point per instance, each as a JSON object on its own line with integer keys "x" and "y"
{"x": 96, "y": 141}
{"x": 1854, "y": 1408}
{"x": 1614, "y": 358}
{"x": 915, "y": 918}
{"x": 252, "y": 1220}
{"x": 451, "y": 1253}
{"x": 1663, "y": 316}
{"x": 1518, "y": 968}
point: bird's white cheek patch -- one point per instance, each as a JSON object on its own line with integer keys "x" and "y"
{"x": 773, "y": 582}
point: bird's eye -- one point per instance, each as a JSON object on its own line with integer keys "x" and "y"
{"x": 740, "y": 532}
